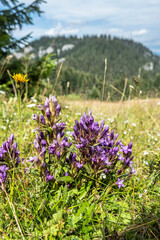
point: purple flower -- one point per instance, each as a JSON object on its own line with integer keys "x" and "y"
{"x": 49, "y": 177}
{"x": 35, "y": 117}
{"x": 79, "y": 165}
{"x": 120, "y": 183}
{"x": 43, "y": 143}
{"x": 52, "y": 149}
{"x": 102, "y": 125}
{"x": 48, "y": 113}
{"x": 41, "y": 134}
{"x": 3, "y": 174}
{"x": 58, "y": 154}
{"x": 72, "y": 158}
{"x": 14, "y": 146}
{"x": 58, "y": 109}
{"x": 64, "y": 143}
{"x": 11, "y": 138}
{"x": 5, "y": 146}
{"x": 130, "y": 145}
{"x": 98, "y": 147}
{"x": 43, "y": 152}
{"x": 36, "y": 144}
{"x": 53, "y": 99}
{"x": 46, "y": 104}
{"x": 43, "y": 121}
{"x": 3, "y": 168}
{"x": 41, "y": 107}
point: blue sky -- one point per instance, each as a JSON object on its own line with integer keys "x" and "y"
{"x": 134, "y": 19}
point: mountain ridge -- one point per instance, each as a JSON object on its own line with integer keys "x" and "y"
{"x": 88, "y": 54}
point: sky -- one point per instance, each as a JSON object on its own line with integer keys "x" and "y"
{"x": 133, "y": 19}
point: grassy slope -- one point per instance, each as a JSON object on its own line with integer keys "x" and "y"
{"x": 132, "y": 212}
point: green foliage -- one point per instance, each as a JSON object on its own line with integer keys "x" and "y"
{"x": 15, "y": 14}
{"x": 95, "y": 93}
{"x": 38, "y": 71}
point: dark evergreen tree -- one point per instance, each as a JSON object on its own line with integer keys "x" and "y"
{"x": 15, "y": 14}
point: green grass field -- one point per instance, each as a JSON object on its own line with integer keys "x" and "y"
{"x": 32, "y": 209}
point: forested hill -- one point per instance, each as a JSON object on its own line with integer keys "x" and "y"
{"x": 87, "y": 54}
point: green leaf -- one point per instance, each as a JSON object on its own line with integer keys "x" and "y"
{"x": 65, "y": 179}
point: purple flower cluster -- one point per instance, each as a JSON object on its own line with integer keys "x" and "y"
{"x": 100, "y": 149}
{"x": 50, "y": 111}
{"x": 8, "y": 155}
{"x": 8, "y": 151}
{"x": 50, "y": 141}
{"x": 3, "y": 174}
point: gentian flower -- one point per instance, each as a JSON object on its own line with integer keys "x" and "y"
{"x": 99, "y": 148}
{"x": 120, "y": 183}
{"x": 51, "y": 140}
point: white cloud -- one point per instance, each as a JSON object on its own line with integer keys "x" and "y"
{"x": 60, "y": 30}
{"x": 126, "y": 33}
{"x": 138, "y": 19}
{"x": 139, "y": 32}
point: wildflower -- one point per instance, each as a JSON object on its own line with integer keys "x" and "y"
{"x": 49, "y": 177}
{"x": 20, "y": 77}
{"x": 99, "y": 148}
{"x": 3, "y": 174}
{"x": 8, "y": 155}
{"x": 145, "y": 153}
{"x": 35, "y": 117}
{"x": 120, "y": 183}
{"x": 31, "y": 105}
{"x": 58, "y": 109}
{"x": 42, "y": 119}
{"x": 79, "y": 165}
{"x": 50, "y": 140}
{"x": 31, "y": 159}
{"x": 103, "y": 175}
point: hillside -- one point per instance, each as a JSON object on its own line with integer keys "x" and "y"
{"x": 88, "y": 53}
{"x": 83, "y": 68}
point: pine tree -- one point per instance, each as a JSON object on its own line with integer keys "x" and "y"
{"x": 15, "y": 14}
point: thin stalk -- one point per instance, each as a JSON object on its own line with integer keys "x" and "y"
{"x": 105, "y": 69}
{"x": 14, "y": 88}
{"x": 14, "y": 212}
{"x": 124, "y": 89}
{"x": 26, "y": 94}
{"x": 59, "y": 71}
{"x": 20, "y": 123}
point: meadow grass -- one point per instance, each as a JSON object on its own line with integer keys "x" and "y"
{"x": 31, "y": 209}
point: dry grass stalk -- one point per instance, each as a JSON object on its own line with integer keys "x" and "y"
{"x": 105, "y": 70}
{"x": 57, "y": 78}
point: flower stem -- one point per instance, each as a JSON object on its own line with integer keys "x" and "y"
{"x": 26, "y": 94}
{"x": 20, "y": 123}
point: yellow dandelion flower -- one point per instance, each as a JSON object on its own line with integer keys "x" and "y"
{"x": 20, "y": 77}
